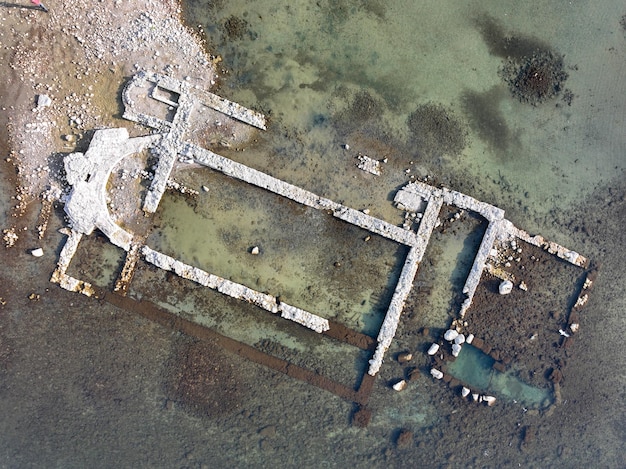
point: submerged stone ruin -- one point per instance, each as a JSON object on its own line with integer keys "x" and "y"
{"x": 167, "y": 105}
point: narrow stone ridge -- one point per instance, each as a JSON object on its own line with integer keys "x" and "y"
{"x": 235, "y": 290}
{"x": 476, "y": 272}
{"x": 405, "y": 283}
{"x": 59, "y": 276}
{"x": 265, "y": 181}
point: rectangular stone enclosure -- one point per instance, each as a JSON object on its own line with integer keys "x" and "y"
{"x": 168, "y": 105}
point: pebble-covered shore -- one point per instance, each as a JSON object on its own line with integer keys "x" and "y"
{"x": 68, "y": 66}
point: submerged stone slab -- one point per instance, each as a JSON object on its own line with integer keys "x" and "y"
{"x": 312, "y": 321}
{"x": 252, "y": 176}
{"x": 197, "y": 96}
{"x": 413, "y": 194}
{"x": 405, "y": 284}
{"x": 60, "y": 277}
{"x": 235, "y": 290}
{"x": 369, "y": 165}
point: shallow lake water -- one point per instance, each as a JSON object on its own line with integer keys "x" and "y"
{"x": 474, "y": 368}
{"x": 308, "y": 63}
{"x": 89, "y": 385}
{"x": 350, "y": 74}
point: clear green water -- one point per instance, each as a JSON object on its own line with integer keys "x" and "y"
{"x": 307, "y": 65}
{"x": 474, "y": 368}
{"x": 304, "y": 61}
{"x": 306, "y": 257}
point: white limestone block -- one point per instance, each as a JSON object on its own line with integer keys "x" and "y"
{"x": 436, "y": 373}
{"x": 434, "y": 348}
{"x": 505, "y": 287}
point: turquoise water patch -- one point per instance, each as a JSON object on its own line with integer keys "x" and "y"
{"x": 474, "y": 368}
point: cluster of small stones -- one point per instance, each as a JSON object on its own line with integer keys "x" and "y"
{"x": 80, "y": 111}
{"x": 456, "y": 341}
{"x": 148, "y": 176}
{"x": 101, "y": 39}
{"x": 10, "y": 237}
{"x": 405, "y": 358}
{"x": 144, "y": 32}
{"x": 48, "y": 199}
{"x": 369, "y": 165}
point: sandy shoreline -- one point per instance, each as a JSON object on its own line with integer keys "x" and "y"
{"x": 79, "y": 55}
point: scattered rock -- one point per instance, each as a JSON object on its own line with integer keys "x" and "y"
{"x": 523, "y": 286}
{"x": 436, "y": 373}
{"x": 434, "y": 348}
{"x": 37, "y": 252}
{"x": 399, "y": 386}
{"x": 405, "y": 357}
{"x": 456, "y": 349}
{"x": 505, "y": 287}
{"x": 465, "y": 391}
{"x": 9, "y": 237}
{"x": 459, "y": 339}
{"x": 405, "y": 437}
{"x": 450, "y": 335}
{"x": 43, "y": 100}
{"x": 255, "y": 250}
{"x": 490, "y": 400}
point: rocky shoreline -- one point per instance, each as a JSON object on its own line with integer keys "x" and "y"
{"x": 67, "y": 68}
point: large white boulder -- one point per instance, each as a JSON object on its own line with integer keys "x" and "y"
{"x": 434, "y": 348}
{"x": 505, "y": 287}
{"x": 436, "y": 373}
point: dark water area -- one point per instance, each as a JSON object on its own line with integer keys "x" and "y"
{"x": 86, "y": 384}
